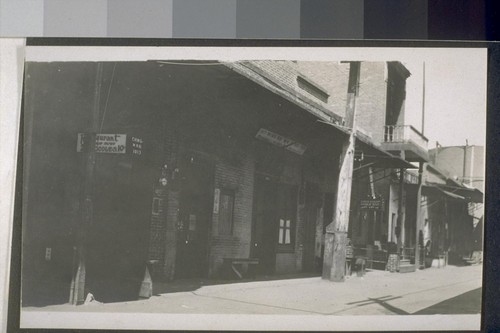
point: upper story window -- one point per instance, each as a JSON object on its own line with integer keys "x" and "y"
{"x": 313, "y": 89}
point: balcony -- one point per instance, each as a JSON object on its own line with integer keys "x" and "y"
{"x": 405, "y": 138}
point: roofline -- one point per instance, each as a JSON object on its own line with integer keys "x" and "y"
{"x": 258, "y": 76}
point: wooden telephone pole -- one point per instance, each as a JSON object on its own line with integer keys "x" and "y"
{"x": 336, "y": 231}
{"x": 418, "y": 215}
{"x": 77, "y": 291}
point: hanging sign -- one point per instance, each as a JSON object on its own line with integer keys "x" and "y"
{"x": 372, "y": 204}
{"x": 281, "y": 141}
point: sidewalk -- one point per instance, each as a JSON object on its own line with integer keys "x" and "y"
{"x": 377, "y": 293}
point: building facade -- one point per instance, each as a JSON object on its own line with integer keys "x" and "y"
{"x": 193, "y": 164}
{"x": 197, "y": 164}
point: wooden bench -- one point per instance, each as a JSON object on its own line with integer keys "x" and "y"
{"x": 372, "y": 256}
{"x": 236, "y": 263}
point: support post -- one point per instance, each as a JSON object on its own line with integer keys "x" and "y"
{"x": 399, "y": 227}
{"x": 418, "y": 217}
{"x": 77, "y": 291}
{"x": 336, "y": 231}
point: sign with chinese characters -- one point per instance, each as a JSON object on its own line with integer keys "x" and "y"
{"x": 281, "y": 141}
{"x": 136, "y": 145}
{"x": 372, "y": 204}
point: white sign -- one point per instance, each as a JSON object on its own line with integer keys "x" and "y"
{"x": 136, "y": 146}
{"x": 281, "y": 141}
{"x": 106, "y": 143}
{"x": 111, "y": 143}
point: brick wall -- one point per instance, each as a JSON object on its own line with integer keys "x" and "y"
{"x": 333, "y": 77}
{"x": 240, "y": 179}
{"x": 371, "y": 102}
{"x": 162, "y": 240}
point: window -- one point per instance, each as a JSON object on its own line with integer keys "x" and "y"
{"x": 284, "y": 232}
{"x": 156, "y": 209}
{"x": 313, "y": 89}
{"x": 226, "y": 210}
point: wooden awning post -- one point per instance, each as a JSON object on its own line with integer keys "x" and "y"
{"x": 400, "y": 221}
{"x": 336, "y": 231}
{"x": 418, "y": 216}
{"x": 77, "y": 288}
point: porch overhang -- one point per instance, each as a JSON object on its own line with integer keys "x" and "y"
{"x": 413, "y": 152}
{"x": 455, "y": 193}
{"x": 372, "y": 154}
{"x": 378, "y": 156}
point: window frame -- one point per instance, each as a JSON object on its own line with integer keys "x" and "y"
{"x": 158, "y": 203}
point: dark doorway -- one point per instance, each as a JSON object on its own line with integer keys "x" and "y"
{"x": 264, "y": 232}
{"x": 193, "y": 223}
{"x": 117, "y": 239}
{"x": 312, "y": 203}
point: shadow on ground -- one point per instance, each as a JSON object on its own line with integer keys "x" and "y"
{"x": 164, "y": 287}
{"x": 466, "y": 303}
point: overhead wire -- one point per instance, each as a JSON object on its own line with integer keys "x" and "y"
{"x": 107, "y": 97}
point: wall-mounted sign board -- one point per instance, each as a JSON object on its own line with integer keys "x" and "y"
{"x": 372, "y": 204}
{"x": 111, "y": 144}
{"x": 281, "y": 141}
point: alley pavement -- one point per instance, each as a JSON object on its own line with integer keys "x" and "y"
{"x": 448, "y": 290}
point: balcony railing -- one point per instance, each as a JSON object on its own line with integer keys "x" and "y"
{"x": 404, "y": 134}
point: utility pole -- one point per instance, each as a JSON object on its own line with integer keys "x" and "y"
{"x": 77, "y": 292}
{"x": 418, "y": 215}
{"x": 336, "y": 231}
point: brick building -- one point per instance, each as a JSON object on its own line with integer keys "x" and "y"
{"x": 217, "y": 161}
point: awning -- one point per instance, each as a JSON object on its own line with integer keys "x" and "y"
{"x": 469, "y": 194}
{"x": 455, "y": 193}
{"x": 379, "y": 157}
{"x": 372, "y": 155}
{"x": 451, "y": 195}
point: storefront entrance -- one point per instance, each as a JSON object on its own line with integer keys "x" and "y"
{"x": 116, "y": 243}
{"x": 273, "y": 233}
{"x": 312, "y": 205}
{"x": 264, "y": 233}
{"x": 194, "y": 217}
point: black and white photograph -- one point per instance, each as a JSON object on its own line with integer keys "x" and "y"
{"x": 248, "y": 188}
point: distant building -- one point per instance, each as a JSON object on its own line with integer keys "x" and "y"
{"x": 463, "y": 163}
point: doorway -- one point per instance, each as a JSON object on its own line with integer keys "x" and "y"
{"x": 194, "y": 217}
{"x": 264, "y": 233}
{"x": 312, "y": 204}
